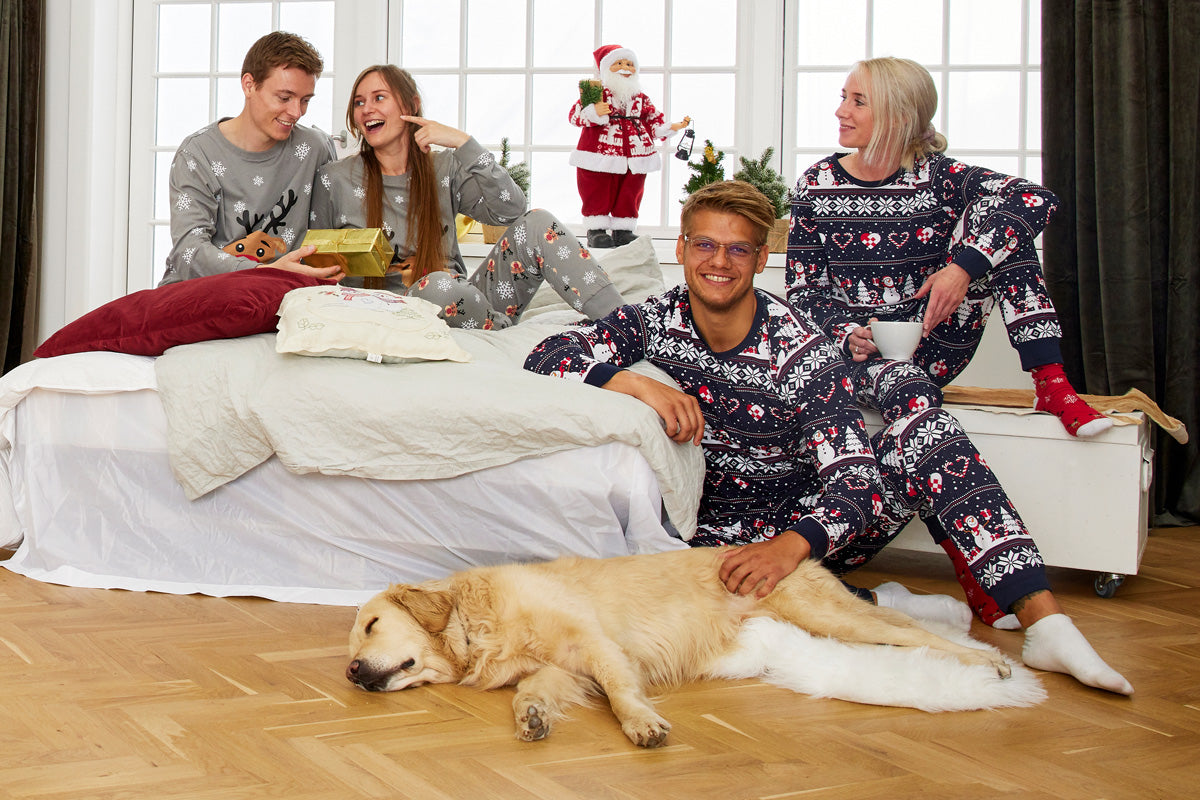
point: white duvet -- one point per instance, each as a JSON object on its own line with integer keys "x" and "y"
{"x": 232, "y": 404}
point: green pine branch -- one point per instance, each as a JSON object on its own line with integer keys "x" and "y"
{"x": 763, "y": 177}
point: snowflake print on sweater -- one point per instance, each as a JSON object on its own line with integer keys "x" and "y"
{"x": 784, "y": 445}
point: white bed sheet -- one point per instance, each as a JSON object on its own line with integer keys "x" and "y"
{"x": 91, "y": 501}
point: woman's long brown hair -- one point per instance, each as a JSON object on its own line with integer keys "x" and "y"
{"x": 424, "y": 210}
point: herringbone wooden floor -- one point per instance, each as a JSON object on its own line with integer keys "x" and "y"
{"x": 110, "y": 694}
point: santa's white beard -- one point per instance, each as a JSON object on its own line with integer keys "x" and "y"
{"x": 623, "y": 89}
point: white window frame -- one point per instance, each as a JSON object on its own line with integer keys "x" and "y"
{"x": 349, "y": 42}
{"x": 757, "y": 86}
{"x": 98, "y": 180}
{"x": 1022, "y": 150}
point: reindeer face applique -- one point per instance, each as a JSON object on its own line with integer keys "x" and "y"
{"x": 263, "y": 245}
{"x": 257, "y": 246}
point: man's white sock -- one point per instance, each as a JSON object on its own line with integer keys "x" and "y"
{"x": 1054, "y": 644}
{"x": 933, "y": 607}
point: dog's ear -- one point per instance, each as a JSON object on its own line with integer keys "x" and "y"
{"x": 429, "y": 607}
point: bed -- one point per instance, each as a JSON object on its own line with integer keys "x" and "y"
{"x": 225, "y": 468}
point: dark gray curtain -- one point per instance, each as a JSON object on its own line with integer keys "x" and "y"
{"x": 1120, "y": 126}
{"x": 21, "y": 44}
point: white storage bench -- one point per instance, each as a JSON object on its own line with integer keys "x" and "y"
{"x": 1085, "y": 501}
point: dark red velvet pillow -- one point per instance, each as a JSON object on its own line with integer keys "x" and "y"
{"x": 146, "y": 323}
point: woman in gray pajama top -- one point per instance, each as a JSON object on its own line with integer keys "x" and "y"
{"x": 396, "y": 183}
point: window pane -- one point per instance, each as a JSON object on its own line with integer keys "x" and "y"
{"x": 489, "y": 119}
{"x": 184, "y": 33}
{"x": 230, "y": 98}
{"x": 313, "y": 21}
{"x": 162, "y": 246}
{"x": 1033, "y": 111}
{"x": 552, "y": 186}
{"x": 495, "y": 33}
{"x": 564, "y": 45}
{"x": 652, "y": 85}
{"x": 706, "y": 99}
{"x": 324, "y": 111}
{"x": 182, "y": 109}
{"x": 553, "y": 96}
{"x": 1034, "y": 50}
{"x": 974, "y": 121}
{"x": 985, "y": 33}
{"x": 162, "y": 177}
{"x": 908, "y": 29}
{"x": 939, "y": 114}
{"x": 817, "y": 98}
{"x": 649, "y": 214}
{"x": 676, "y": 174}
{"x": 431, "y": 33}
{"x": 704, "y": 34}
{"x": 439, "y": 99}
{"x": 1033, "y": 169}
{"x": 826, "y": 37}
{"x": 644, "y": 38}
{"x": 240, "y": 24}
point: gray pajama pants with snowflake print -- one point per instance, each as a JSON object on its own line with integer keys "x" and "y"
{"x": 537, "y": 247}
{"x": 932, "y": 469}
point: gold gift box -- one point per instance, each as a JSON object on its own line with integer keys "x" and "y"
{"x": 358, "y": 251}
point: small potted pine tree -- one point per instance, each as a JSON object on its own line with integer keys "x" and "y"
{"x": 759, "y": 174}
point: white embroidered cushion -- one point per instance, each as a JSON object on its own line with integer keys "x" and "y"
{"x": 376, "y": 325}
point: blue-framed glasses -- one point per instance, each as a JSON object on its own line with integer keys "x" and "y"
{"x": 737, "y": 252}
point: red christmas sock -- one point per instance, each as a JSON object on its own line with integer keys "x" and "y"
{"x": 980, "y": 602}
{"x": 1056, "y": 395}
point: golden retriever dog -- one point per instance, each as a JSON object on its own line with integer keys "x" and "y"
{"x": 566, "y": 629}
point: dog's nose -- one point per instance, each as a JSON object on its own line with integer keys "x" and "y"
{"x": 352, "y": 670}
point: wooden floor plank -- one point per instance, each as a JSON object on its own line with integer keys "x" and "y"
{"x": 112, "y": 694}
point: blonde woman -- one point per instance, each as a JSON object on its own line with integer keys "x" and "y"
{"x": 893, "y": 229}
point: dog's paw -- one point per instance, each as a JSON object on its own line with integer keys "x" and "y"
{"x": 648, "y": 731}
{"x": 532, "y": 724}
{"x": 1003, "y": 668}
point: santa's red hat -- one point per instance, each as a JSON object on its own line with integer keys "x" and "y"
{"x": 605, "y": 55}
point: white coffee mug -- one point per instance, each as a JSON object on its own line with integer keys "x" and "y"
{"x": 897, "y": 341}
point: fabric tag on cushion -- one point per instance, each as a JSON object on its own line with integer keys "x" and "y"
{"x": 372, "y": 324}
{"x": 148, "y": 322}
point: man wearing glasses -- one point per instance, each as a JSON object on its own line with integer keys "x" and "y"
{"x": 790, "y": 471}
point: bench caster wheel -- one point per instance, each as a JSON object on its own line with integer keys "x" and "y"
{"x": 1107, "y": 583}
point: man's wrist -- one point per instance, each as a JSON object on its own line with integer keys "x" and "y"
{"x": 814, "y": 536}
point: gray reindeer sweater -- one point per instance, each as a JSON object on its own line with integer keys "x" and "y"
{"x": 219, "y": 193}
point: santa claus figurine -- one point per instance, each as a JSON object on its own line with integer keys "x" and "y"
{"x": 617, "y": 147}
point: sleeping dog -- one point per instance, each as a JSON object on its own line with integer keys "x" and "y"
{"x": 566, "y": 629}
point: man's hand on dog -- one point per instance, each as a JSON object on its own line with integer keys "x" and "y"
{"x": 758, "y": 566}
{"x": 680, "y": 412}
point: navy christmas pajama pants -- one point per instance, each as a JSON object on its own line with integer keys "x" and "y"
{"x": 930, "y": 468}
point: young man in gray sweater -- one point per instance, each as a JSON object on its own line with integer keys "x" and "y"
{"x": 251, "y": 174}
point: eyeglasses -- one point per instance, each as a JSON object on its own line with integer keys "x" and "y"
{"x": 737, "y": 252}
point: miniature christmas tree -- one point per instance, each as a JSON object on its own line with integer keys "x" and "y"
{"x": 518, "y": 172}
{"x": 708, "y": 170}
{"x": 761, "y": 176}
